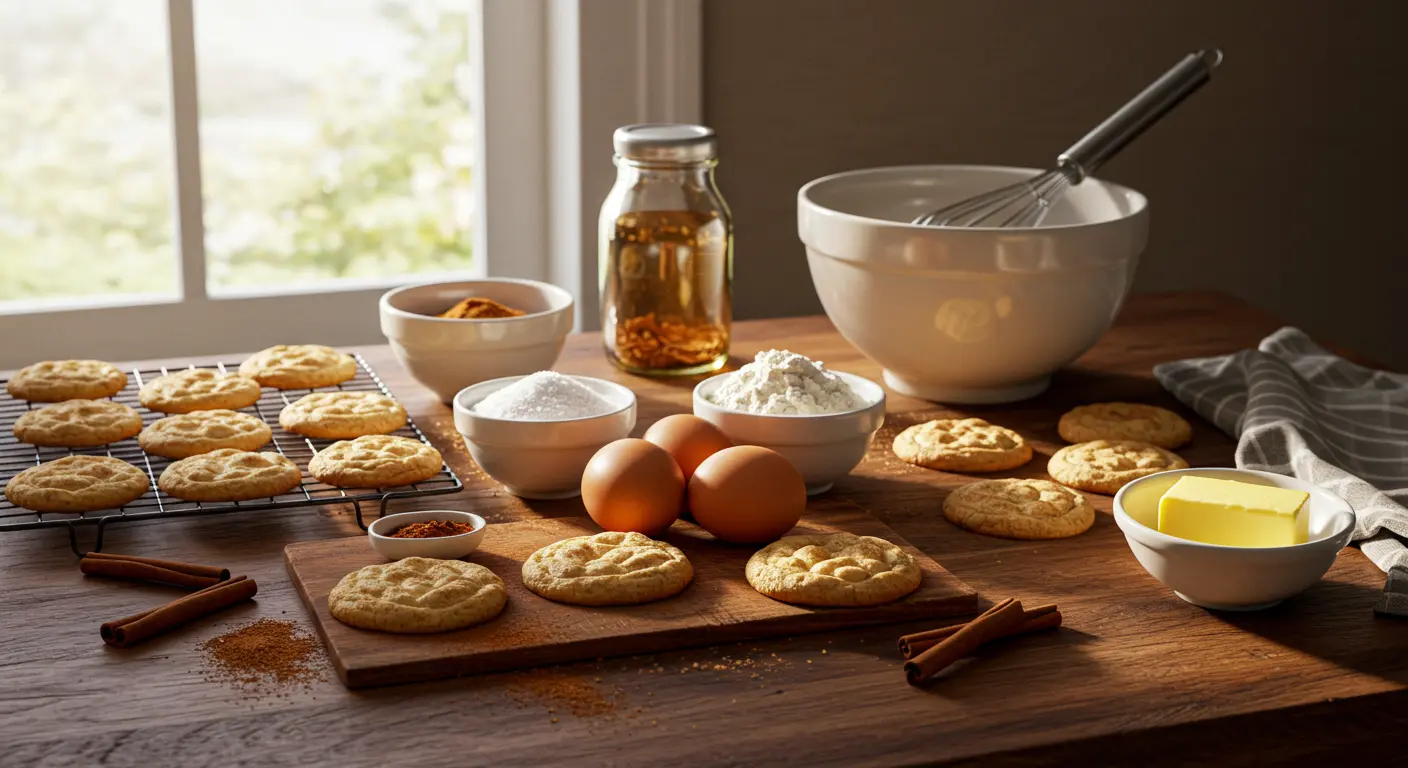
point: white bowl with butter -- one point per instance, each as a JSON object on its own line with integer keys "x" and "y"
{"x": 1234, "y": 578}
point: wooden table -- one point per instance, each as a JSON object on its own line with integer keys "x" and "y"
{"x": 1135, "y": 676}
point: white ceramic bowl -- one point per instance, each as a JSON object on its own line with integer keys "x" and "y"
{"x": 1232, "y": 578}
{"x": 823, "y": 447}
{"x": 541, "y": 459}
{"x": 448, "y": 355}
{"x": 440, "y": 547}
{"x": 967, "y": 315}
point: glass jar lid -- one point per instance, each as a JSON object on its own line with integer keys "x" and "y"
{"x": 665, "y": 142}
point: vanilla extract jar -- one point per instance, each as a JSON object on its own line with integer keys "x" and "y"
{"x": 666, "y": 253}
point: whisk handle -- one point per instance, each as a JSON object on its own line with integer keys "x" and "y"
{"x": 1087, "y": 155}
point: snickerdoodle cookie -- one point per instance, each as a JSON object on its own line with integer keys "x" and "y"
{"x": 191, "y": 434}
{"x": 77, "y": 424}
{"x": 962, "y": 445}
{"x": 1125, "y": 421}
{"x": 833, "y": 569}
{"x": 299, "y": 366}
{"x": 229, "y": 474}
{"x": 54, "y": 380}
{"x": 610, "y": 568}
{"x": 77, "y": 484}
{"x": 198, "y": 389}
{"x": 1104, "y": 466}
{"x": 375, "y": 461}
{"x": 418, "y": 595}
{"x": 338, "y": 415}
{"x": 1019, "y": 509}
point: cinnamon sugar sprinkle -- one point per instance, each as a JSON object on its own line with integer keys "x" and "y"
{"x": 267, "y": 656}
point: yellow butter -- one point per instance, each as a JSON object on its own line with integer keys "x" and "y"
{"x": 1233, "y": 513}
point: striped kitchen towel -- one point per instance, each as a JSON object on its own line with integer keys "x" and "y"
{"x": 1299, "y": 410}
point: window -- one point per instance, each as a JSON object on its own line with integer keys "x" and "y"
{"x": 180, "y": 177}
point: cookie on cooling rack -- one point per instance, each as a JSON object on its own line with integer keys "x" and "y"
{"x": 375, "y": 461}
{"x": 299, "y": 366}
{"x": 191, "y": 434}
{"x": 198, "y": 389}
{"x": 77, "y": 424}
{"x": 230, "y": 474}
{"x": 342, "y": 415}
{"x": 77, "y": 484}
{"x": 55, "y": 380}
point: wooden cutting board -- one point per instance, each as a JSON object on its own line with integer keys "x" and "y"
{"x": 718, "y": 607}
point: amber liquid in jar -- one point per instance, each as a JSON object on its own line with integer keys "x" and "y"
{"x": 666, "y": 292}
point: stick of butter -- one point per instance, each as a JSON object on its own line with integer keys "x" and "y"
{"x": 1235, "y": 514}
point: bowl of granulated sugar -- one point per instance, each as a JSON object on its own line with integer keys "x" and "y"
{"x": 535, "y": 434}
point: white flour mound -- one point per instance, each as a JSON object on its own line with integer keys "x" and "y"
{"x": 544, "y": 396}
{"x": 781, "y": 382}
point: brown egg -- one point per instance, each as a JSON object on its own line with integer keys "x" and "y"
{"x": 747, "y": 494}
{"x": 633, "y": 485}
{"x": 689, "y": 439}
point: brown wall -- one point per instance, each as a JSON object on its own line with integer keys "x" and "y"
{"x": 1282, "y": 181}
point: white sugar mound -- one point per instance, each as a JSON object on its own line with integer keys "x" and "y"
{"x": 544, "y": 396}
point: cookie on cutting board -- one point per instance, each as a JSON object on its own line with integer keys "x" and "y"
{"x": 418, "y": 595}
{"x": 609, "y": 568}
{"x": 833, "y": 569}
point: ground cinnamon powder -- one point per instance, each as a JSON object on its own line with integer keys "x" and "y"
{"x": 476, "y": 308}
{"x": 564, "y": 693}
{"x": 432, "y": 529}
{"x": 266, "y": 656}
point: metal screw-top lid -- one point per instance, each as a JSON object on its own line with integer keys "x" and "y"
{"x": 665, "y": 142}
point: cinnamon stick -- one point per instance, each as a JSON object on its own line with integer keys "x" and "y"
{"x": 134, "y": 629}
{"x": 193, "y": 569}
{"x": 129, "y": 569}
{"x": 1029, "y": 625}
{"x": 911, "y": 645}
{"x": 998, "y": 621}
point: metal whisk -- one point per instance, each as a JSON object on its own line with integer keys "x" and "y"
{"x": 1026, "y": 203}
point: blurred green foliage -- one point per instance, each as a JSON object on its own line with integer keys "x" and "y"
{"x": 382, "y": 188}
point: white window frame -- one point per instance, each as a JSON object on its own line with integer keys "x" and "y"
{"x": 556, "y": 78}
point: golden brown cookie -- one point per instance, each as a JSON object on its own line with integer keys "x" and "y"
{"x": 198, "y": 389}
{"x": 418, "y": 595}
{"x": 55, "y": 380}
{"x": 78, "y": 424}
{"x": 77, "y": 484}
{"x": 191, "y": 434}
{"x": 299, "y": 366}
{"x": 230, "y": 474}
{"x": 375, "y": 461}
{"x": 833, "y": 569}
{"x": 609, "y": 568}
{"x": 339, "y": 415}
{"x": 1019, "y": 509}
{"x": 962, "y": 445}
{"x": 1125, "y": 421}
{"x": 1104, "y": 466}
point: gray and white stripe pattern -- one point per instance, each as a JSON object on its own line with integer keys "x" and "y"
{"x": 1299, "y": 410}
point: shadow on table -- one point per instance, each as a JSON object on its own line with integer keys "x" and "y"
{"x": 1334, "y": 621}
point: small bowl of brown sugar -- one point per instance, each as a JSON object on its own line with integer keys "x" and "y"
{"x": 442, "y": 534}
{"x": 451, "y": 335}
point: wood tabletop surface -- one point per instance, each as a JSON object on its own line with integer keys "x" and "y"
{"x": 1134, "y": 676}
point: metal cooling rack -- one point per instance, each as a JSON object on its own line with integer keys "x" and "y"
{"x": 16, "y": 457}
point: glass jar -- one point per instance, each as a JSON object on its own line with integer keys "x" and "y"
{"x": 666, "y": 253}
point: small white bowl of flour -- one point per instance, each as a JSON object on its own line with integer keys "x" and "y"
{"x": 536, "y": 433}
{"x": 821, "y": 420}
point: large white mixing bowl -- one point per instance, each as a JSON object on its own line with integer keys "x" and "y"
{"x": 968, "y": 315}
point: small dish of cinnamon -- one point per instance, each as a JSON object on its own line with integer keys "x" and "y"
{"x": 443, "y": 534}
